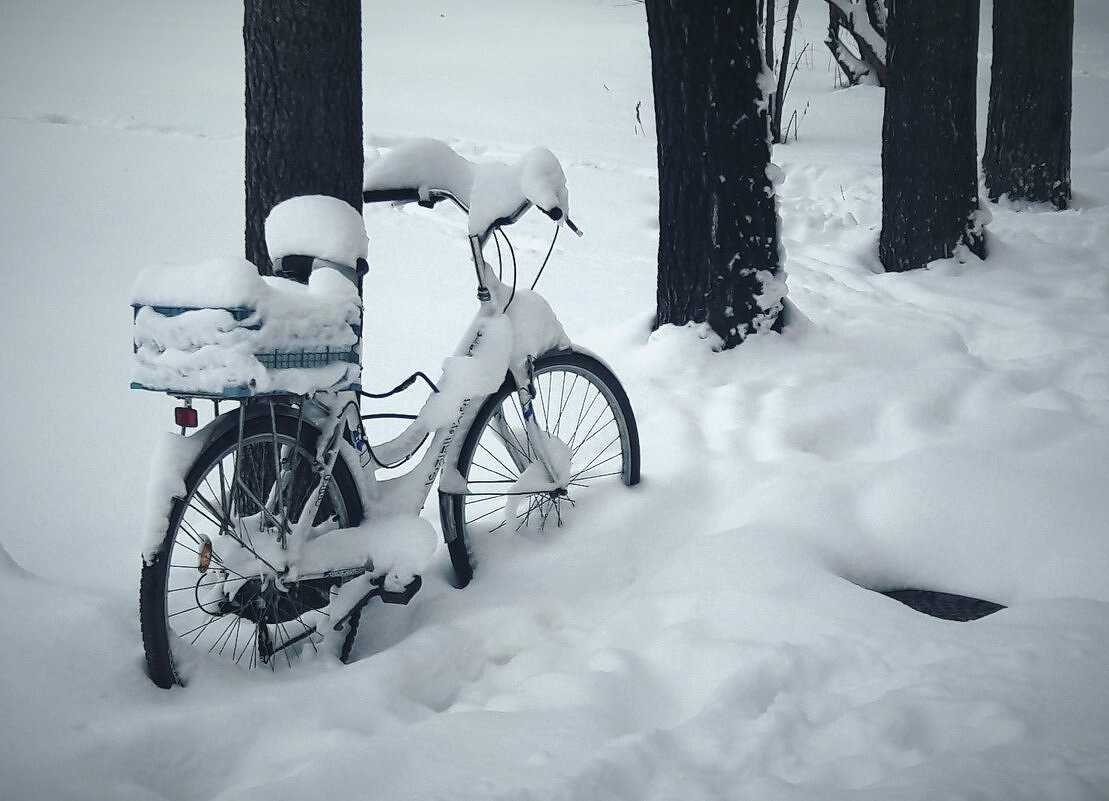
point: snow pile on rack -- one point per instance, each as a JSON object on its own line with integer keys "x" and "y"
{"x": 490, "y": 191}
{"x": 316, "y": 225}
{"x": 201, "y": 329}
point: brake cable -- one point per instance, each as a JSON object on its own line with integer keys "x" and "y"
{"x": 546, "y": 258}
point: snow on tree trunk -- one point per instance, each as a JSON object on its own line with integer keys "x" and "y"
{"x": 718, "y": 257}
{"x": 866, "y": 21}
{"x": 303, "y": 107}
{"x": 1027, "y": 153}
{"x": 929, "y": 147}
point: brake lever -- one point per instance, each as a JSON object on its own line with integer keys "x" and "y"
{"x": 572, "y": 227}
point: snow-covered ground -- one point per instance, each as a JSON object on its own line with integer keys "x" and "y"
{"x": 705, "y": 636}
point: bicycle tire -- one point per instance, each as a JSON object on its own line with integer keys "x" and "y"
{"x": 568, "y": 387}
{"x": 166, "y": 579}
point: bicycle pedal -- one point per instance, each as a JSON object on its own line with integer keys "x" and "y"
{"x": 400, "y": 596}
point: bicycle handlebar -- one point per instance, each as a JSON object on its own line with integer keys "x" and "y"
{"x": 433, "y": 196}
{"x": 387, "y": 195}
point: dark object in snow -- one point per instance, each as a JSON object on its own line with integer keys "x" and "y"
{"x": 945, "y": 605}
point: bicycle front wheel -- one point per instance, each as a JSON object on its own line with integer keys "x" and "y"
{"x": 581, "y": 406}
{"x": 210, "y": 591}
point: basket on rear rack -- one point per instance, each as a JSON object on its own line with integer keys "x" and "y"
{"x": 220, "y": 330}
{"x": 286, "y": 341}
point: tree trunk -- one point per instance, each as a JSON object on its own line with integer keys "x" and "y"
{"x": 718, "y": 256}
{"x": 303, "y": 107}
{"x": 1027, "y": 154}
{"x": 929, "y": 148}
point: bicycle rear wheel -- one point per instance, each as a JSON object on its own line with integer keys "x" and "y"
{"x": 210, "y": 590}
{"x": 578, "y": 403}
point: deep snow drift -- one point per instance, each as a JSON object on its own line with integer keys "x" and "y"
{"x": 705, "y": 636}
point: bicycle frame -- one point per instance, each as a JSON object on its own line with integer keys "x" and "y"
{"x": 277, "y": 526}
{"x": 407, "y": 494}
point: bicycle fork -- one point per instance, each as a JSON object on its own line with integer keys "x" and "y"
{"x": 540, "y": 444}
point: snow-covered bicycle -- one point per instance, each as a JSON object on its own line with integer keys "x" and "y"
{"x": 268, "y": 529}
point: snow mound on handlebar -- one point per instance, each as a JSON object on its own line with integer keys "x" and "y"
{"x": 316, "y": 225}
{"x": 491, "y": 191}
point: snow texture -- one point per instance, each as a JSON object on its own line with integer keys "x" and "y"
{"x": 711, "y": 634}
{"x": 316, "y": 225}
{"x": 203, "y": 345}
{"x": 500, "y": 343}
{"x": 490, "y": 191}
{"x": 170, "y": 461}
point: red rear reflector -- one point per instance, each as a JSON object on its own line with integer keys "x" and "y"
{"x": 185, "y": 416}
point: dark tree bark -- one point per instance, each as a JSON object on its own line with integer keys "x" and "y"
{"x": 303, "y": 107}
{"x": 929, "y": 145}
{"x": 718, "y": 256}
{"x": 1027, "y": 153}
{"x": 768, "y": 33}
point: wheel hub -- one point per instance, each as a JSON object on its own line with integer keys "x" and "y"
{"x": 261, "y": 602}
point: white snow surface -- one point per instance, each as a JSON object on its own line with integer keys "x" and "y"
{"x": 709, "y": 635}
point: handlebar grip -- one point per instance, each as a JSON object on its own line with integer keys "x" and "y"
{"x": 390, "y": 195}
{"x": 555, "y": 213}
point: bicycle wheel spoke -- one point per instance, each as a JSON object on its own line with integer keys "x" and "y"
{"x": 514, "y": 404}
{"x": 582, "y": 483}
{"x": 235, "y": 646}
{"x": 594, "y": 432}
{"x": 200, "y": 629}
{"x": 284, "y": 647}
{"x": 594, "y": 461}
{"x": 512, "y": 442}
{"x": 308, "y": 632}
{"x": 483, "y": 516}
{"x": 224, "y": 511}
{"x": 582, "y": 414}
{"x": 225, "y": 635}
{"x": 192, "y": 587}
{"x": 249, "y": 646}
{"x": 206, "y": 511}
{"x": 485, "y": 498}
{"x": 507, "y": 475}
{"x": 253, "y": 481}
{"x": 259, "y": 503}
{"x": 564, "y": 400}
{"x": 185, "y": 611}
